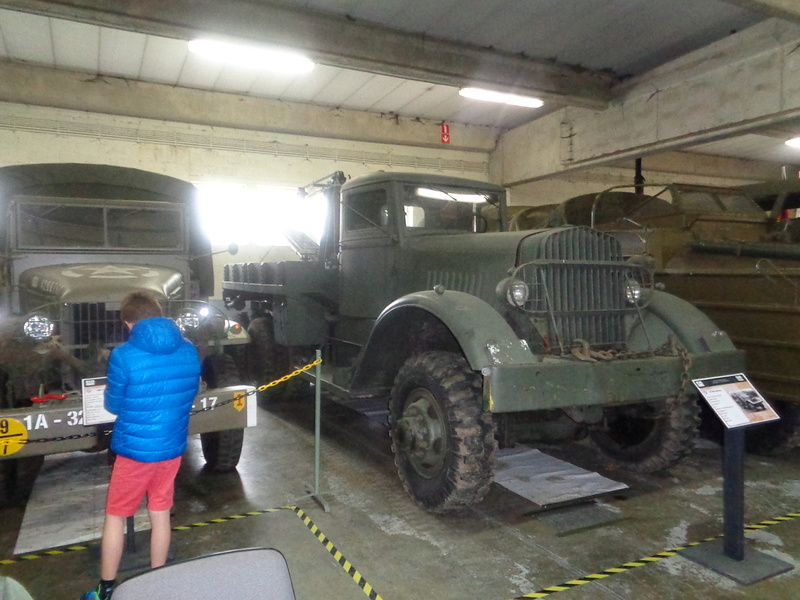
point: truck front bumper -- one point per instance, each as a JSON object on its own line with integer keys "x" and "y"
{"x": 561, "y": 382}
{"x": 58, "y": 426}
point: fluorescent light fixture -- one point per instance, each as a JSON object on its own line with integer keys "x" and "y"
{"x": 252, "y": 57}
{"x": 794, "y": 142}
{"x": 492, "y": 96}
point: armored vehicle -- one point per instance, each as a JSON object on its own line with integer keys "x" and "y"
{"x": 732, "y": 253}
{"x": 76, "y": 239}
{"x": 426, "y": 306}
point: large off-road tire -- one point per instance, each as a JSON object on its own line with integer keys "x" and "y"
{"x": 268, "y": 361}
{"x": 778, "y": 437}
{"x": 17, "y": 476}
{"x": 442, "y": 440}
{"x": 221, "y": 449}
{"x": 648, "y": 437}
{"x": 220, "y": 370}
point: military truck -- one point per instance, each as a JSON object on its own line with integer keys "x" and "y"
{"x": 76, "y": 238}
{"x": 470, "y": 335}
{"x": 732, "y": 253}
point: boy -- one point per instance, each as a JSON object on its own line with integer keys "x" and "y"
{"x": 152, "y": 381}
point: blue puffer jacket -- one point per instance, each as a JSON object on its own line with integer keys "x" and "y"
{"x": 153, "y": 379}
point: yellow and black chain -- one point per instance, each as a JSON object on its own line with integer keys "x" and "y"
{"x": 297, "y": 372}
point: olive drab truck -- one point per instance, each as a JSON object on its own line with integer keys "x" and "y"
{"x": 470, "y": 335}
{"x": 734, "y": 254}
{"x": 76, "y": 239}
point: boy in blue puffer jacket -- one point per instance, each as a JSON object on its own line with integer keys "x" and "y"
{"x": 153, "y": 379}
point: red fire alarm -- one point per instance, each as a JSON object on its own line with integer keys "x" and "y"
{"x": 445, "y": 133}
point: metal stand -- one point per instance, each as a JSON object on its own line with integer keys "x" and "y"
{"x": 315, "y": 493}
{"x": 727, "y": 556}
{"x": 130, "y": 540}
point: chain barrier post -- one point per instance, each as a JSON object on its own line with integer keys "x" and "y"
{"x": 314, "y": 493}
{"x": 317, "y": 421}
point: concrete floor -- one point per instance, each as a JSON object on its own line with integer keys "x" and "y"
{"x": 500, "y": 550}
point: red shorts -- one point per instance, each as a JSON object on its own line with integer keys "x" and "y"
{"x": 132, "y": 480}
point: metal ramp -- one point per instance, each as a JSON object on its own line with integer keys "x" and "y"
{"x": 566, "y": 494}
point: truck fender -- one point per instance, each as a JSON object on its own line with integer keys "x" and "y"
{"x": 695, "y": 331}
{"x": 445, "y": 320}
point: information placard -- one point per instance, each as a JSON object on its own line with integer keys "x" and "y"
{"x": 735, "y": 400}
{"x": 94, "y": 409}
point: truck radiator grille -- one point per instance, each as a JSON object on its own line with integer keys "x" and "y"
{"x": 577, "y": 289}
{"x": 86, "y": 327}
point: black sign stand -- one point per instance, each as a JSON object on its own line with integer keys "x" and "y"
{"x": 727, "y": 556}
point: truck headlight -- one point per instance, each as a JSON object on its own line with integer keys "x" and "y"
{"x": 188, "y": 320}
{"x": 516, "y": 292}
{"x": 633, "y": 291}
{"x": 39, "y": 327}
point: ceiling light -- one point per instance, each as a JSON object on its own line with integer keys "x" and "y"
{"x": 492, "y": 96}
{"x": 794, "y": 142}
{"x": 251, "y": 57}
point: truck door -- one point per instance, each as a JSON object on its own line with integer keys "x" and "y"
{"x": 367, "y": 253}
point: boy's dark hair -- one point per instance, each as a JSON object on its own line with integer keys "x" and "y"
{"x": 139, "y": 305}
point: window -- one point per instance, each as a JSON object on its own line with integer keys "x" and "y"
{"x": 63, "y": 223}
{"x": 457, "y": 210}
{"x": 234, "y": 212}
{"x": 366, "y": 210}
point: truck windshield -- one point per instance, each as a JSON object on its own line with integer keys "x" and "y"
{"x": 58, "y": 224}
{"x": 718, "y": 201}
{"x": 450, "y": 209}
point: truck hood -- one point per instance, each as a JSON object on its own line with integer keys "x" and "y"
{"x": 97, "y": 282}
{"x": 504, "y": 244}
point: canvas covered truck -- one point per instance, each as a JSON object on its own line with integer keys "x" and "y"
{"x": 76, "y": 238}
{"x": 470, "y": 335}
{"x": 734, "y": 253}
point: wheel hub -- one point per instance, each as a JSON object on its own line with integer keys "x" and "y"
{"x": 420, "y": 433}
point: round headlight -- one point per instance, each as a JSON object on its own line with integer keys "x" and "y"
{"x": 517, "y": 292}
{"x": 633, "y": 291}
{"x": 188, "y": 320}
{"x": 38, "y": 327}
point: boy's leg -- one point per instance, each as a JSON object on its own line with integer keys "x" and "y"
{"x": 160, "y": 534}
{"x": 160, "y": 493}
{"x": 111, "y": 548}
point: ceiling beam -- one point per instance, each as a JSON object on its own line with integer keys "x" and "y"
{"x": 743, "y": 84}
{"x": 341, "y": 42}
{"x": 783, "y": 9}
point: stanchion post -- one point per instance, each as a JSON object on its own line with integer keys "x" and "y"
{"x": 733, "y": 493}
{"x": 317, "y": 420}
{"x": 315, "y": 493}
{"x": 130, "y": 541}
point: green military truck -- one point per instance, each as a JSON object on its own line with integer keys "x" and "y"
{"x": 470, "y": 335}
{"x": 733, "y": 253}
{"x": 76, "y": 238}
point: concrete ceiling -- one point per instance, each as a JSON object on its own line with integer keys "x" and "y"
{"x": 398, "y": 58}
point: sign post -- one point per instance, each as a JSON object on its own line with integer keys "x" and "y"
{"x": 738, "y": 405}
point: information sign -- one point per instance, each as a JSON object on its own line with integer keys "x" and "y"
{"x": 735, "y": 401}
{"x": 94, "y": 410}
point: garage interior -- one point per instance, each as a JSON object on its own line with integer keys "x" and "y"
{"x": 690, "y": 91}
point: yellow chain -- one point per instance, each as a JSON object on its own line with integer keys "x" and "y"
{"x": 290, "y": 375}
